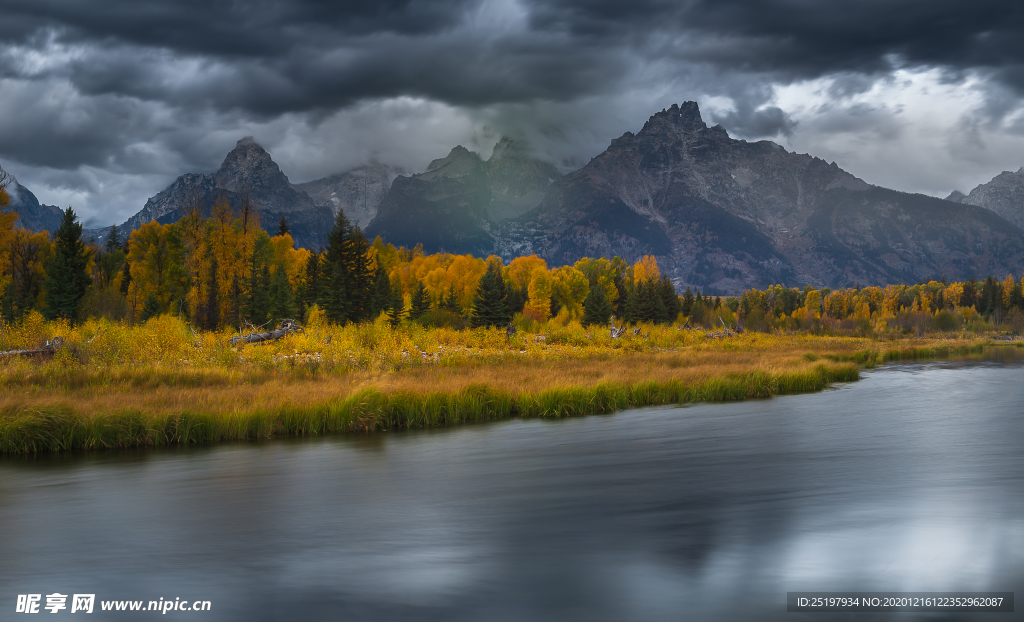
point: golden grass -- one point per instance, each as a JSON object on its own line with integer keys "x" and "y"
{"x": 156, "y": 384}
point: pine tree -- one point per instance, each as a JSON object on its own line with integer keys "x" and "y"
{"x": 420, "y": 301}
{"x": 396, "y": 304}
{"x": 630, "y": 308}
{"x": 349, "y": 287}
{"x": 312, "y": 283}
{"x": 282, "y": 302}
{"x": 150, "y": 308}
{"x": 257, "y": 303}
{"x": 596, "y": 308}
{"x": 380, "y": 300}
{"x": 450, "y": 302}
{"x": 489, "y": 305}
{"x": 126, "y": 277}
{"x": 688, "y": 300}
{"x": 211, "y": 308}
{"x": 113, "y": 240}
{"x": 669, "y": 299}
{"x": 648, "y": 306}
{"x": 67, "y": 273}
{"x": 282, "y": 227}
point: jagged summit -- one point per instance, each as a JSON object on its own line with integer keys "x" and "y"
{"x": 680, "y": 119}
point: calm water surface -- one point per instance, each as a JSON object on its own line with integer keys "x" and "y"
{"x": 911, "y": 479}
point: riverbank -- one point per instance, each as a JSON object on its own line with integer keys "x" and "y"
{"x": 264, "y": 392}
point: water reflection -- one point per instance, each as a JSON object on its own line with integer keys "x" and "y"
{"x": 910, "y": 479}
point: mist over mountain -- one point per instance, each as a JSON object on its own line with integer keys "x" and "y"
{"x": 454, "y": 205}
{"x": 358, "y": 192}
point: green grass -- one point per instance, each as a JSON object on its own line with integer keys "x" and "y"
{"x": 61, "y": 428}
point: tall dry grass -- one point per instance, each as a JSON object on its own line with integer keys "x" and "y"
{"x": 157, "y": 384}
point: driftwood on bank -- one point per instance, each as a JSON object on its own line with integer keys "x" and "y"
{"x": 286, "y": 327}
{"x": 49, "y": 349}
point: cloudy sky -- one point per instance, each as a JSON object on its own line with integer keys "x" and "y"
{"x": 103, "y": 103}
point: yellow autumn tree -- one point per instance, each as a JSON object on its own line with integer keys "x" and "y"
{"x": 1009, "y": 286}
{"x": 155, "y": 253}
{"x": 646, "y": 269}
{"x": 569, "y": 288}
{"x": 601, "y": 272}
{"x": 539, "y": 290}
{"x": 520, "y": 270}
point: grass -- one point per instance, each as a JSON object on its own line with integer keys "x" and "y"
{"x": 158, "y": 384}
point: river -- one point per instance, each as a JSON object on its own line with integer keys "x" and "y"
{"x": 911, "y": 479}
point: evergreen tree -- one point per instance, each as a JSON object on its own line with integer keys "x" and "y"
{"x": 113, "y": 240}
{"x": 420, "y": 301}
{"x": 515, "y": 298}
{"x": 257, "y": 302}
{"x": 450, "y": 302}
{"x": 150, "y": 308}
{"x": 669, "y": 299}
{"x": 348, "y": 292}
{"x": 381, "y": 298}
{"x": 126, "y": 277}
{"x": 596, "y": 308}
{"x": 396, "y": 304}
{"x": 648, "y": 306}
{"x": 282, "y": 301}
{"x": 282, "y": 227}
{"x": 688, "y": 300}
{"x": 630, "y": 309}
{"x": 312, "y": 282}
{"x": 211, "y": 308}
{"x": 489, "y": 306}
{"x": 970, "y": 295}
{"x": 67, "y": 273}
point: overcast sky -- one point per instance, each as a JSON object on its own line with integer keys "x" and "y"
{"x": 103, "y": 103}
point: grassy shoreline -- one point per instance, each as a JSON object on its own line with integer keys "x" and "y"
{"x": 48, "y": 409}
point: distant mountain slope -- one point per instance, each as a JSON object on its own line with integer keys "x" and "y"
{"x": 453, "y": 205}
{"x": 1004, "y": 195}
{"x": 32, "y": 215}
{"x": 728, "y": 215}
{"x": 358, "y": 192}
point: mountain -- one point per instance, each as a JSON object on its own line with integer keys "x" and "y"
{"x": 358, "y": 192}
{"x": 453, "y": 205}
{"x": 246, "y": 168}
{"x": 726, "y": 215}
{"x": 1004, "y": 195}
{"x": 32, "y": 215}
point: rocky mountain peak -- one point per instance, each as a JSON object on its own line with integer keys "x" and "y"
{"x": 459, "y": 161}
{"x": 248, "y": 164}
{"x": 1003, "y": 194}
{"x": 677, "y": 119}
{"x": 508, "y": 147}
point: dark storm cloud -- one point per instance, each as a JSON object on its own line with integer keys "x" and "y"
{"x": 274, "y": 56}
{"x": 148, "y": 88}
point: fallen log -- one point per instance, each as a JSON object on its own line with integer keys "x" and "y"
{"x": 286, "y": 327}
{"x": 49, "y": 349}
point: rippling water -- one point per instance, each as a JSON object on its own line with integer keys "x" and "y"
{"x": 911, "y": 479}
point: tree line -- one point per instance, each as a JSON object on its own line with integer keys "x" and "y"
{"x": 225, "y": 270}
